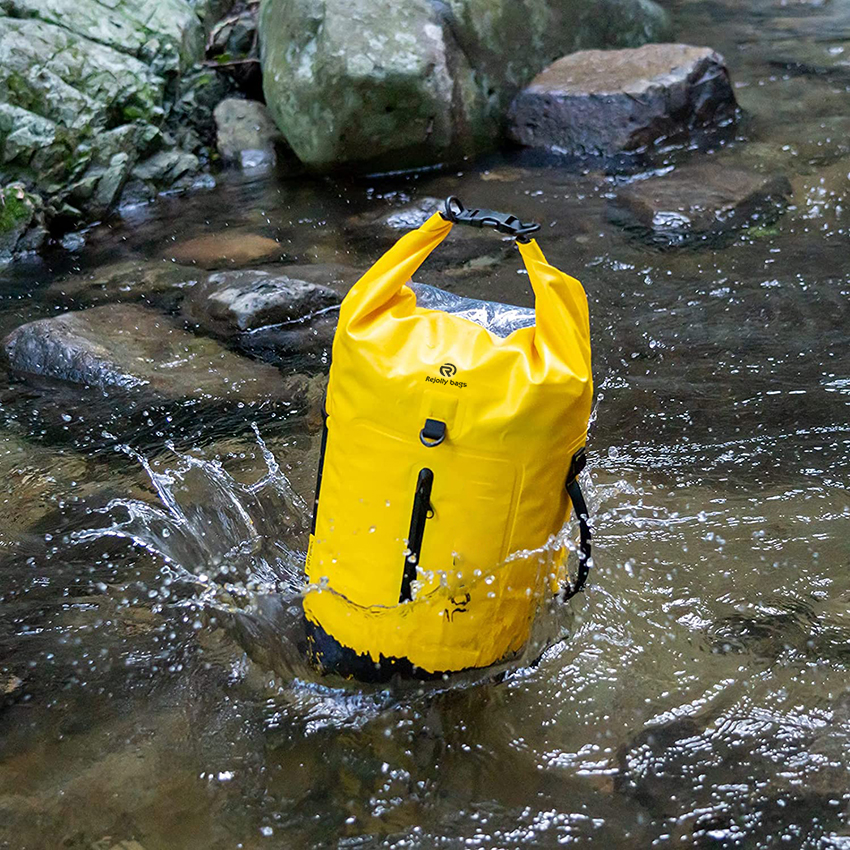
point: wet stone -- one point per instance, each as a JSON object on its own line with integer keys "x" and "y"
{"x": 127, "y": 347}
{"x": 246, "y": 134}
{"x": 602, "y": 102}
{"x": 166, "y": 168}
{"x": 157, "y": 283}
{"x": 220, "y": 250}
{"x": 11, "y": 688}
{"x": 699, "y": 202}
{"x": 234, "y": 302}
{"x": 311, "y": 336}
{"x": 406, "y": 217}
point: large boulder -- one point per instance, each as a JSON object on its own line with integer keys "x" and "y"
{"x": 698, "y": 203}
{"x": 380, "y": 85}
{"x": 85, "y": 90}
{"x": 125, "y": 347}
{"x": 608, "y": 101}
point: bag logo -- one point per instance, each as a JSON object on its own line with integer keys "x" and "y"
{"x": 447, "y": 370}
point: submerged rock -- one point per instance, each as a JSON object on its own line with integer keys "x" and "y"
{"x": 231, "y": 303}
{"x": 824, "y": 192}
{"x": 158, "y": 283}
{"x": 699, "y": 202}
{"x": 127, "y": 347}
{"x": 32, "y": 479}
{"x": 816, "y": 57}
{"x": 10, "y": 688}
{"x": 380, "y": 85}
{"x": 607, "y": 101}
{"x": 246, "y": 133}
{"x": 232, "y": 248}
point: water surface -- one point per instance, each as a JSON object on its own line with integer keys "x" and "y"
{"x": 701, "y": 697}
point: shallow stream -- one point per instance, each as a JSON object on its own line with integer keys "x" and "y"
{"x": 700, "y": 697}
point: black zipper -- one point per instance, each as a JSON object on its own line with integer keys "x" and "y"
{"x": 418, "y": 517}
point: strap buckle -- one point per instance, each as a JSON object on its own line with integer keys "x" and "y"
{"x": 503, "y": 222}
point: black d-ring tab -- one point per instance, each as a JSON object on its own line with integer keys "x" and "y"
{"x": 503, "y": 222}
{"x": 433, "y": 433}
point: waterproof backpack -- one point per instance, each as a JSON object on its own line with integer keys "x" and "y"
{"x": 450, "y": 435}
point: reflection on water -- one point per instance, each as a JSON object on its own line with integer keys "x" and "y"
{"x": 152, "y": 687}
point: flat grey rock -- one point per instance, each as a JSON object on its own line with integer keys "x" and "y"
{"x": 128, "y": 347}
{"x": 603, "y": 102}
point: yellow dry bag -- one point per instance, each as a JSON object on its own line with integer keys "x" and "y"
{"x": 445, "y": 456}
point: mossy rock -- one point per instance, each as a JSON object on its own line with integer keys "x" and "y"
{"x": 18, "y": 210}
{"x": 84, "y": 84}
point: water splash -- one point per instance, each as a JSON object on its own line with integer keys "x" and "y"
{"x": 235, "y": 553}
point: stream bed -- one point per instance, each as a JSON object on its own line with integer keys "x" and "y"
{"x": 153, "y": 693}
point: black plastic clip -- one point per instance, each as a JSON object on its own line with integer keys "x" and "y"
{"x": 433, "y": 433}
{"x": 503, "y": 222}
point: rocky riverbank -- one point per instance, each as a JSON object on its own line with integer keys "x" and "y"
{"x": 101, "y": 105}
{"x": 108, "y": 106}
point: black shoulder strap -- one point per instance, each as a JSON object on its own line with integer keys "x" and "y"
{"x": 580, "y": 509}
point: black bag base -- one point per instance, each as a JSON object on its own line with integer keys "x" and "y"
{"x": 329, "y": 656}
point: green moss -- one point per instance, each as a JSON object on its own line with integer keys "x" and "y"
{"x": 132, "y": 113}
{"x": 15, "y": 210}
{"x": 761, "y": 231}
{"x": 21, "y": 93}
